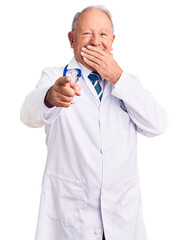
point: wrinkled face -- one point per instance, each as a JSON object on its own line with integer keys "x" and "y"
{"x": 93, "y": 28}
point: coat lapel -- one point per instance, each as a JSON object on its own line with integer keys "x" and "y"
{"x": 107, "y": 90}
{"x": 85, "y": 72}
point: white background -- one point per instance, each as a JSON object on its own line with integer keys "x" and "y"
{"x": 152, "y": 42}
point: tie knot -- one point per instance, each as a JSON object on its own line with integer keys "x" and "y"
{"x": 94, "y": 76}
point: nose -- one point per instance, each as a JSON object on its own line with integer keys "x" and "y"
{"x": 95, "y": 40}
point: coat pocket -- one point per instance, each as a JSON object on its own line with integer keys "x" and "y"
{"x": 130, "y": 202}
{"x": 63, "y": 198}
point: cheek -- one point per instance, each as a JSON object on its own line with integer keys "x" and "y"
{"x": 107, "y": 46}
{"x": 82, "y": 41}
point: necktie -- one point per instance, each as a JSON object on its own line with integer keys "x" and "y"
{"x": 95, "y": 77}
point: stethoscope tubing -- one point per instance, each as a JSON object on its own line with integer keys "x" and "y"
{"x": 78, "y": 75}
{"x": 76, "y": 69}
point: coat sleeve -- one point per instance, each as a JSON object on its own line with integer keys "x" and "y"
{"x": 149, "y": 117}
{"x": 34, "y": 113}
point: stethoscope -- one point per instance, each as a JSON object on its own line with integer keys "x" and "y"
{"x": 78, "y": 75}
{"x": 76, "y": 69}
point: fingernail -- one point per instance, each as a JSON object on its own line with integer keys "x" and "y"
{"x": 82, "y": 53}
{"x": 89, "y": 46}
{"x": 83, "y": 48}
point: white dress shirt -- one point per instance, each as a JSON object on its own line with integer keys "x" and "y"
{"x": 91, "y": 179}
{"x": 85, "y": 71}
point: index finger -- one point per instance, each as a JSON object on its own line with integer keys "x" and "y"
{"x": 96, "y": 49}
{"x": 65, "y": 80}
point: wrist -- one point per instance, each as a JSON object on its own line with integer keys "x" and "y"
{"x": 117, "y": 75}
{"x": 48, "y": 98}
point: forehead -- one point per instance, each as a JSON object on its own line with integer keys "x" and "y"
{"x": 94, "y": 18}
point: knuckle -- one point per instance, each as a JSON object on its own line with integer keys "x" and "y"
{"x": 93, "y": 58}
{"x": 67, "y": 105}
{"x": 53, "y": 96}
{"x": 68, "y": 99}
{"x": 72, "y": 93}
{"x": 103, "y": 64}
{"x": 98, "y": 62}
{"x": 58, "y": 82}
{"x": 56, "y": 104}
{"x": 54, "y": 89}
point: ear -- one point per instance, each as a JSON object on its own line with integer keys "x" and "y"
{"x": 113, "y": 38}
{"x": 70, "y": 37}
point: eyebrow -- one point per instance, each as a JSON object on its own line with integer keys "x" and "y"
{"x": 101, "y": 30}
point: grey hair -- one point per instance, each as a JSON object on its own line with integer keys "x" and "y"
{"x": 99, "y": 7}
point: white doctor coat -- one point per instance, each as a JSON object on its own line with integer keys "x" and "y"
{"x": 90, "y": 182}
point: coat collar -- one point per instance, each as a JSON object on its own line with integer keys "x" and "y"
{"x": 85, "y": 72}
{"x": 73, "y": 64}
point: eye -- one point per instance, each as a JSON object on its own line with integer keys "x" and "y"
{"x": 86, "y": 34}
{"x": 103, "y": 34}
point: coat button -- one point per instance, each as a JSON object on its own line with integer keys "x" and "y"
{"x": 102, "y": 151}
{"x": 97, "y": 232}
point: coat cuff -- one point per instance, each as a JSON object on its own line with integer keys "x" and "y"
{"x": 50, "y": 114}
{"x": 126, "y": 83}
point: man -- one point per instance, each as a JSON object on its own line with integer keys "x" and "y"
{"x": 91, "y": 186}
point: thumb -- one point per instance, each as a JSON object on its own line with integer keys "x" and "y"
{"x": 76, "y": 87}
